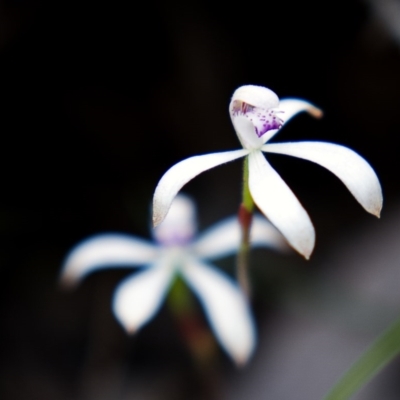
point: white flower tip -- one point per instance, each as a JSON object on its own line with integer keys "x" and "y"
{"x": 376, "y": 206}
{"x": 377, "y": 212}
{"x": 292, "y": 106}
{"x": 373, "y": 202}
{"x": 130, "y": 329}
{"x": 306, "y": 242}
{"x": 242, "y": 360}
{"x": 305, "y": 249}
{"x": 315, "y": 111}
{"x": 158, "y": 215}
{"x": 69, "y": 277}
{"x": 157, "y": 219}
{"x": 68, "y": 281}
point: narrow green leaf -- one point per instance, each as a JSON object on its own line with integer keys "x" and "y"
{"x": 377, "y": 356}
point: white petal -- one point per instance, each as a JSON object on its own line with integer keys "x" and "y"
{"x": 226, "y": 309}
{"x": 264, "y": 234}
{"x": 179, "y": 226}
{"x": 106, "y": 251}
{"x": 257, "y": 96}
{"x": 280, "y": 205}
{"x": 224, "y": 238}
{"x": 246, "y": 132}
{"x": 139, "y": 297}
{"x": 346, "y": 164}
{"x": 181, "y": 173}
{"x": 220, "y": 240}
{"x": 289, "y": 108}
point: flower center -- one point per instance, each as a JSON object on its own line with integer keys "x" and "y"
{"x": 263, "y": 120}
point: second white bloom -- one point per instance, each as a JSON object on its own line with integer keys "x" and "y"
{"x": 176, "y": 251}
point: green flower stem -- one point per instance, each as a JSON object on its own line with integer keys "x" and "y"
{"x": 245, "y": 215}
{"x": 377, "y": 356}
{"x": 197, "y": 336}
{"x": 247, "y": 200}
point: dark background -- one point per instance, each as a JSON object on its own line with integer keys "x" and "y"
{"x": 98, "y": 100}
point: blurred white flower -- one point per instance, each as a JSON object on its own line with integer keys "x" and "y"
{"x": 257, "y": 115}
{"x": 139, "y": 296}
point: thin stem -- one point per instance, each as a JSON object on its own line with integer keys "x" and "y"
{"x": 247, "y": 200}
{"x": 197, "y": 336}
{"x": 245, "y": 215}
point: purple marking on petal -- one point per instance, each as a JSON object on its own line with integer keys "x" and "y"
{"x": 175, "y": 239}
{"x": 263, "y": 120}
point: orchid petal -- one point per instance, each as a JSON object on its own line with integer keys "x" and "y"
{"x": 179, "y": 226}
{"x": 280, "y": 205}
{"x": 220, "y": 240}
{"x": 226, "y": 308}
{"x": 347, "y": 165}
{"x": 139, "y": 297}
{"x": 264, "y": 234}
{"x": 106, "y": 251}
{"x": 289, "y": 108}
{"x": 181, "y": 173}
{"x": 257, "y": 96}
{"x": 246, "y": 132}
{"x": 224, "y": 238}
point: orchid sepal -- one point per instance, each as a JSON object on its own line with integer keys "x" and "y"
{"x": 181, "y": 173}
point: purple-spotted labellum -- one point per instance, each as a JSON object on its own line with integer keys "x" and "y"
{"x": 263, "y": 120}
{"x": 257, "y": 116}
{"x": 177, "y": 251}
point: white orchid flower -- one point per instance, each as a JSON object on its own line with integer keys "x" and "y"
{"x": 257, "y": 115}
{"x": 138, "y": 297}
